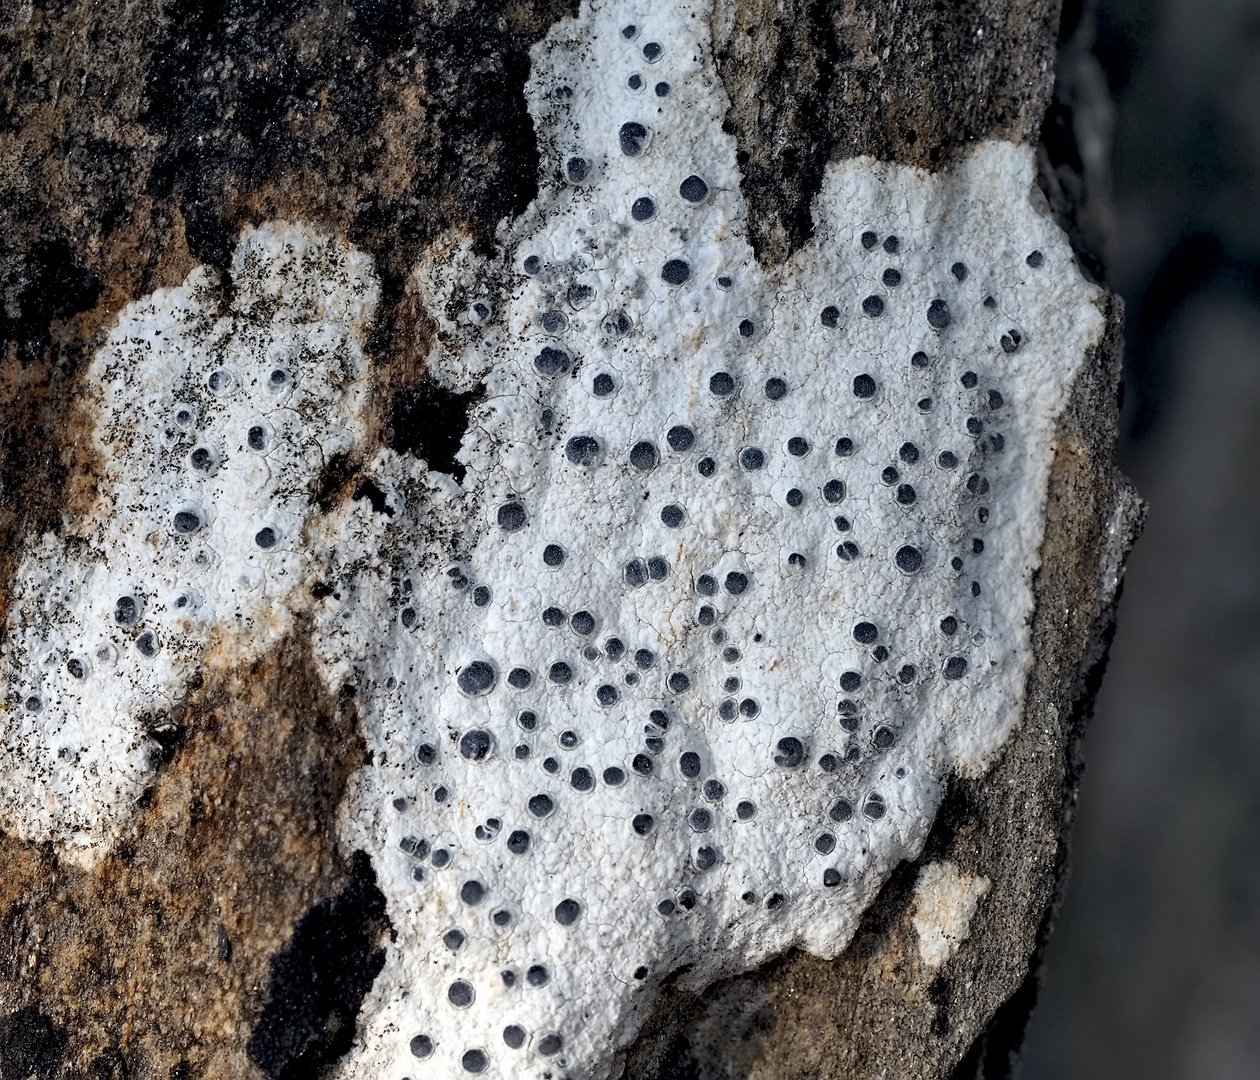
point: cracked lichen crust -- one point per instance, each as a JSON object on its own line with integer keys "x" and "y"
{"x": 743, "y": 570}
{"x": 739, "y": 572}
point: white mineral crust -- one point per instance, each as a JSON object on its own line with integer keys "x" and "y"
{"x": 835, "y": 617}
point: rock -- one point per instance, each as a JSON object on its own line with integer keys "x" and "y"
{"x": 205, "y": 874}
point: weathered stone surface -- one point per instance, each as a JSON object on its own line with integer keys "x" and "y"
{"x": 136, "y": 142}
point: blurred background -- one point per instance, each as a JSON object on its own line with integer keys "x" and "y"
{"x": 1154, "y": 968}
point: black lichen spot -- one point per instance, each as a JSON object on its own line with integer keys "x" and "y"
{"x": 127, "y": 611}
{"x": 633, "y": 138}
{"x": 576, "y": 169}
{"x": 679, "y": 682}
{"x": 830, "y": 316}
{"x": 582, "y": 450}
{"x": 959, "y": 270}
{"x": 794, "y": 497}
{"x": 947, "y": 459}
{"x": 735, "y": 582}
{"x": 568, "y": 911}
{"x": 672, "y": 516}
{"x": 511, "y": 517}
{"x": 700, "y": 819}
{"x": 475, "y": 745}
{"x": 864, "y": 386}
{"x": 675, "y": 272}
{"x": 552, "y": 361}
{"x": 474, "y": 1061}
{"x": 540, "y": 805}
{"x": 635, "y": 573}
{"x": 873, "y": 306}
{"x": 721, "y": 384}
{"x": 892, "y": 245}
{"x": 955, "y": 666}
{"x": 553, "y": 555}
{"x": 706, "y": 466}
{"x": 870, "y": 240}
{"x": 476, "y": 678}
{"x": 186, "y": 522}
{"x": 693, "y": 189}
{"x": 519, "y": 678}
{"x": 789, "y": 752}
{"x": 661, "y": 89}
{"x": 921, "y": 360}
{"x": 319, "y": 980}
{"x": 874, "y": 807}
{"x": 891, "y": 277}
{"x": 643, "y": 209}
{"x": 865, "y": 633}
{"x": 1035, "y": 259}
{"x": 841, "y": 811}
{"x": 909, "y": 559}
{"x": 775, "y": 389}
{"x": 752, "y": 458}
{"x": 1011, "y": 340}
{"x": 644, "y": 456}
{"x": 680, "y": 438}
{"x": 969, "y": 380}
{"x": 430, "y": 421}
{"x": 514, "y": 1036}
{"x": 938, "y": 315}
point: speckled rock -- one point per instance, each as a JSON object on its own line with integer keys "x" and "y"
{"x": 228, "y": 928}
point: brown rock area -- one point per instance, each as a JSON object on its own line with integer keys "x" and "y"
{"x": 226, "y": 936}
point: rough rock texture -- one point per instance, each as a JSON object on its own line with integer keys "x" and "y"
{"x": 135, "y": 140}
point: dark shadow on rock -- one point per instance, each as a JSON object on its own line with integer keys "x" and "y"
{"x": 319, "y": 980}
{"x": 429, "y": 420}
{"x": 30, "y": 1045}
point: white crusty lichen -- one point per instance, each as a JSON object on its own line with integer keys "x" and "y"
{"x": 945, "y": 899}
{"x": 739, "y": 571}
{"x": 209, "y": 424}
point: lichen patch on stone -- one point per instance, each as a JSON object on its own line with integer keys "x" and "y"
{"x": 212, "y": 423}
{"x": 945, "y": 900}
{"x": 738, "y": 573}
